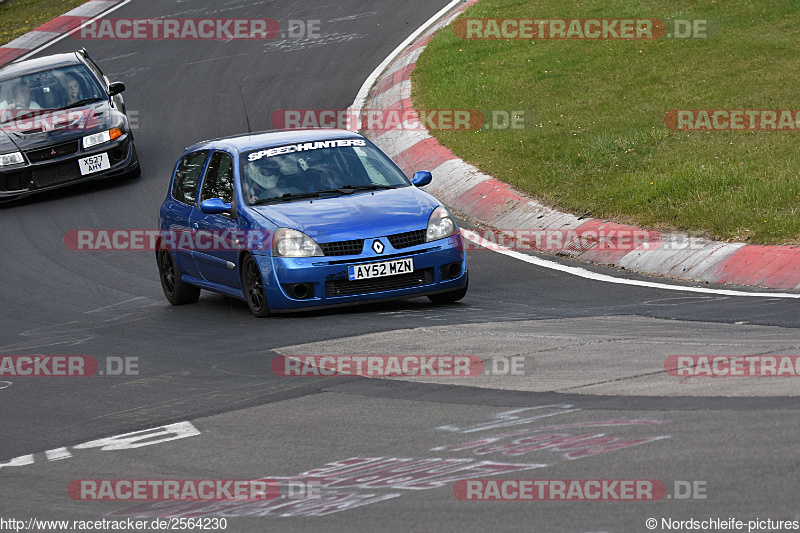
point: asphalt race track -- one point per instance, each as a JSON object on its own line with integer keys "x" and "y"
{"x": 594, "y": 351}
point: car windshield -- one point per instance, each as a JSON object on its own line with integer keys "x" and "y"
{"x": 56, "y": 88}
{"x": 316, "y": 168}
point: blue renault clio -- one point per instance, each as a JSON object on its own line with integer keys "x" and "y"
{"x": 298, "y": 220}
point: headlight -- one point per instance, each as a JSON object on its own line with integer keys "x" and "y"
{"x": 293, "y": 243}
{"x": 11, "y": 159}
{"x": 102, "y": 137}
{"x": 440, "y": 225}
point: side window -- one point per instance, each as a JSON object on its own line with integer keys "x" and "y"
{"x": 218, "y": 182}
{"x": 94, "y": 68}
{"x": 85, "y": 79}
{"x": 184, "y": 188}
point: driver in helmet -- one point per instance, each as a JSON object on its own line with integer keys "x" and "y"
{"x": 262, "y": 178}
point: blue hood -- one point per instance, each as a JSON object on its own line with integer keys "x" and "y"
{"x": 355, "y": 216}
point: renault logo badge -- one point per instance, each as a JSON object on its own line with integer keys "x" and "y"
{"x": 378, "y": 247}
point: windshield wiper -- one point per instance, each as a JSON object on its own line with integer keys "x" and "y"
{"x": 372, "y": 186}
{"x": 290, "y": 196}
{"x": 350, "y": 189}
{"x": 83, "y": 102}
{"x": 346, "y": 189}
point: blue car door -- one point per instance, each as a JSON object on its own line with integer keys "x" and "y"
{"x": 216, "y": 250}
{"x": 177, "y": 211}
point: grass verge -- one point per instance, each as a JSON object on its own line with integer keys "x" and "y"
{"x": 18, "y": 17}
{"x": 595, "y": 141}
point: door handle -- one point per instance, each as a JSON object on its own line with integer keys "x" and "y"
{"x": 195, "y": 225}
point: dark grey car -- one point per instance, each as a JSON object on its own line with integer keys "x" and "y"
{"x": 61, "y": 122}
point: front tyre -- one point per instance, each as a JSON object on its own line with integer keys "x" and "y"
{"x": 450, "y": 297}
{"x": 253, "y": 286}
{"x": 176, "y": 290}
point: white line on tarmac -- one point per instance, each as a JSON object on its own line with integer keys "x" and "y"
{"x": 54, "y": 41}
{"x": 358, "y": 103}
{"x": 587, "y": 274}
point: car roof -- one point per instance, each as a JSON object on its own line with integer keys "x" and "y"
{"x": 268, "y": 139}
{"x": 40, "y": 63}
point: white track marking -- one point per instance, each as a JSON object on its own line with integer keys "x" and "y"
{"x": 358, "y": 103}
{"x": 57, "y": 454}
{"x": 126, "y": 441}
{"x": 587, "y": 274}
{"x": 54, "y": 41}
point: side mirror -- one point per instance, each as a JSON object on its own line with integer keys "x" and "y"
{"x": 214, "y": 206}
{"x": 421, "y": 178}
{"x": 115, "y": 88}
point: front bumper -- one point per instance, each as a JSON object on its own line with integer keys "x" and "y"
{"x": 439, "y": 266}
{"x": 32, "y": 178}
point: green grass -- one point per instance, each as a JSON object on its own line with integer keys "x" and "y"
{"x": 596, "y": 142}
{"x": 18, "y": 17}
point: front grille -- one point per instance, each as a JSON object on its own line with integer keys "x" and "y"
{"x": 411, "y": 238}
{"x": 342, "y": 247}
{"x": 55, "y": 174}
{"x": 384, "y": 257}
{"x": 345, "y": 287}
{"x": 52, "y": 152}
